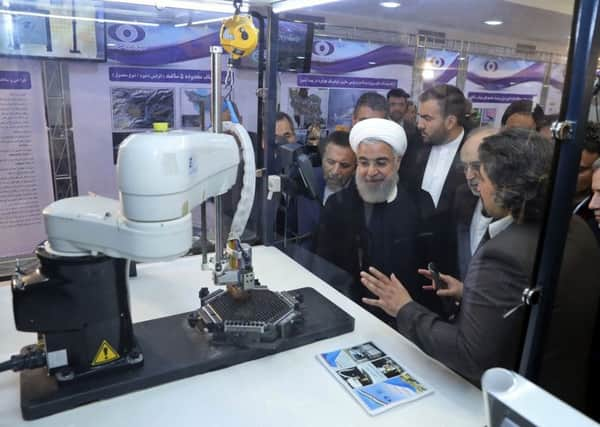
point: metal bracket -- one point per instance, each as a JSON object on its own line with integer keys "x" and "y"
{"x": 530, "y": 296}
{"x": 262, "y": 92}
{"x": 563, "y": 131}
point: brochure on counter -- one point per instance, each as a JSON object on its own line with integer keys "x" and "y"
{"x": 373, "y": 377}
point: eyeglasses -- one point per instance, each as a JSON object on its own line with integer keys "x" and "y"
{"x": 466, "y": 166}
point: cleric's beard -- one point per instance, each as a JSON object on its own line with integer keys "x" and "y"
{"x": 376, "y": 192}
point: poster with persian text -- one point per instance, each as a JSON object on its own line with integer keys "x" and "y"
{"x": 24, "y": 158}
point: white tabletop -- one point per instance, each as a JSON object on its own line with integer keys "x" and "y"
{"x": 286, "y": 389}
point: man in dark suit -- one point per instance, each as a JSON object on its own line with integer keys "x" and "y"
{"x": 397, "y": 101}
{"x": 338, "y": 166}
{"x": 435, "y": 170}
{"x": 471, "y": 219}
{"x": 513, "y": 184}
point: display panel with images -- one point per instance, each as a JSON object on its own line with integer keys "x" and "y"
{"x": 136, "y": 108}
{"x": 61, "y": 29}
{"x": 195, "y": 107}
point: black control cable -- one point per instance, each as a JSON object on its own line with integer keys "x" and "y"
{"x": 30, "y": 360}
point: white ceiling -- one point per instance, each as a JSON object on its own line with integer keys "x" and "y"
{"x": 545, "y": 23}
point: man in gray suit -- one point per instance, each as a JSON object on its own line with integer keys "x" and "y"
{"x": 513, "y": 178}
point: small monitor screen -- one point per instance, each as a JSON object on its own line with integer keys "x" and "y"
{"x": 295, "y": 48}
{"x": 62, "y": 29}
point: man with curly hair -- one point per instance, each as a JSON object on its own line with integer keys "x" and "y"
{"x": 515, "y": 164}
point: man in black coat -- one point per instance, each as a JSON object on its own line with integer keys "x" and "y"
{"x": 435, "y": 169}
{"x": 513, "y": 184}
{"x": 374, "y": 221}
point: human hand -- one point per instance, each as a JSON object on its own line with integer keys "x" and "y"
{"x": 455, "y": 286}
{"x": 392, "y": 294}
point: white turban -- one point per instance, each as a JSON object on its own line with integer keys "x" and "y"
{"x": 382, "y": 130}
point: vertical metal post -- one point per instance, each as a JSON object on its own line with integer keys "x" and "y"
{"x": 217, "y": 127}
{"x": 583, "y": 56}
{"x": 268, "y": 134}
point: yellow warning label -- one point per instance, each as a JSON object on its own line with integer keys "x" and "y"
{"x": 105, "y": 354}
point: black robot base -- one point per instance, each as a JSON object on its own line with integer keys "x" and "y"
{"x": 173, "y": 350}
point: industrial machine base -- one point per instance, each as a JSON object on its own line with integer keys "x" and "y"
{"x": 173, "y": 350}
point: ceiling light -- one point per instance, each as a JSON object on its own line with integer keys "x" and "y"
{"x": 390, "y": 4}
{"x": 493, "y": 22}
{"x": 77, "y": 18}
{"x": 209, "y": 6}
{"x": 203, "y": 21}
{"x": 428, "y": 74}
{"x": 372, "y": 63}
{"x": 287, "y": 5}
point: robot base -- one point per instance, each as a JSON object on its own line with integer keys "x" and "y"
{"x": 173, "y": 350}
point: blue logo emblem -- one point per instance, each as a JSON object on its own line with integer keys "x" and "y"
{"x": 126, "y": 33}
{"x": 323, "y": 48}
{"x": 437, "y": 62}
{"x": 490, "y": 66}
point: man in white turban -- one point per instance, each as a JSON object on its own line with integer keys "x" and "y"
{"x": 374, "y": 222}
{"x": 379, "y": 145}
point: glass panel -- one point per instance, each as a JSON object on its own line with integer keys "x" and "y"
{"x": 412, "y": 136}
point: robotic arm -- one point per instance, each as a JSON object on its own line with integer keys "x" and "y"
{"x": 162, "y": 176}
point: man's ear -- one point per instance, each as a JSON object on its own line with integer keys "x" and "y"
{"x": 450, "y": 122}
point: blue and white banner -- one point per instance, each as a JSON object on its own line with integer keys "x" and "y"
{"x": 440, "y": 67}
{"x": 337, "y": 56}
{"x": 15, "y": 80}
{"x": 315, "y": 80}
{"x": 159, "y": 75}
{"x": 139, "y": 45}
{"x": 493, "y": 83}
{"x": 497, "y": 74}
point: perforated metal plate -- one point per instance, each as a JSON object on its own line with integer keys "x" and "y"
{"x": 261, "y": 305}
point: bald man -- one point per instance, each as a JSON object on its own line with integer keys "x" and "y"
{"x": 376, "y": 221}
{"x": 471, "y": 219}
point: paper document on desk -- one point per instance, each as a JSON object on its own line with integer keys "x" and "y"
{"x": 374, "y": 378}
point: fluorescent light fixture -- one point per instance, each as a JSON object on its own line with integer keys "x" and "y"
{"x": 493, "y": 22}
{"x": 287, "y": 5}
{"x": 203, "y": 21}
{"x": 390, "y": 4}
{"x": 209, "y": 6}
{"x": 428, "y": 73}
{"x": 372, "y": 63}
{"x": 77, "y": 18}
{"x": 300, "y": 57}
{"x": 462, "y": 58}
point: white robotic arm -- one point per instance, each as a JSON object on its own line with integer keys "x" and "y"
{"x": 161, "y": 177}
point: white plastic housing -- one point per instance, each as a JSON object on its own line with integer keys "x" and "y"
{"x": 163, "y": 175}
{"x": 94, "y": 224}
{"x": 511, "y": 400}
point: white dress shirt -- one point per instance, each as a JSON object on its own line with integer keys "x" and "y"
{"x": 500, "y": 225}
{"x": 438, "y": 165}
{"x": 479, "y": 224}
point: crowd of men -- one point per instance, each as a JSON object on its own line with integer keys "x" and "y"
{"x": 398, "y": 193}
